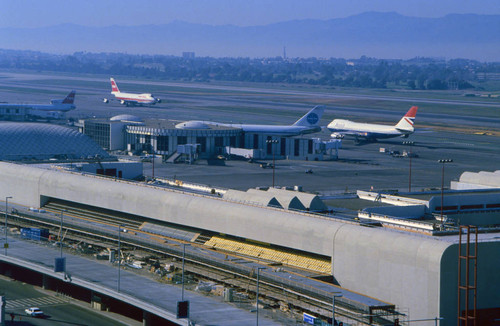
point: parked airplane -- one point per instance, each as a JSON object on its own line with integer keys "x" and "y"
{"x": 60, "y": 105}
{"x": 131, "y": 99}
{"x": 371, "y": 132}
{"x": 305, "y": 125}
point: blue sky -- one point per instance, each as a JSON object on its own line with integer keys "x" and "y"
{"x": 36, "y": 13}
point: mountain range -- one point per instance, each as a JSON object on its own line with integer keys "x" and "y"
{"x": 374, "y": 34}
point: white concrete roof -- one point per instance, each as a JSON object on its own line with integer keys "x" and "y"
{"x": 484, "y": 178}
{"x": 252, "y": 198}
{"x": 286, "y": 201}
{"x": 310, "y": 201}
{"x": 30, "y": 186}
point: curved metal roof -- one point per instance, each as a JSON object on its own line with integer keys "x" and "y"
{"x": 192, "y": 125}
{"x": 126, "y": 117}
{"x": 37, "y": 141}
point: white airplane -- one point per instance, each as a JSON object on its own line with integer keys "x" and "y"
{"x": 131, "y": 99}
{"x": 371, "y": 132}
{"x": 54, "y": 110}
{"x": 60, "y": 105}
{"x": 305, "y": 125}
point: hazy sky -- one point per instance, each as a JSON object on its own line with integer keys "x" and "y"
{"x": 35, "y": 13}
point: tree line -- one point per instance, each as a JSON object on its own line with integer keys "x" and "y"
{"x": 365, "y": 72}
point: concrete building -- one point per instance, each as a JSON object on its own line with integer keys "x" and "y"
{"x": 460, "y": 207}
{"x": 415, "y": 270}
{"x": 14, "y": 114}
{"x": 109, "y": 133}
{"x": 163, "y": 137}
{"x": 199, "y": 140}
{"x": 188, "y": 55}
{"x": 262, "y": 146}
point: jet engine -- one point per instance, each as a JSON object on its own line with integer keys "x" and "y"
{"x": 337, "y": 135}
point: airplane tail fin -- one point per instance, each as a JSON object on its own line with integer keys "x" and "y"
{"x": 114, "y": 87}
{"x": 70, "y": 99}
{"x": 311, "y": 118}
{"x": 406, "y": 123}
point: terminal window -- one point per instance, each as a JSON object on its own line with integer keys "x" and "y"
{"x": 99, "y": 132}
{"x": 296, "y": 149}
{"x": 255, "y": 141}
{"x": 203, "y": 143}
{"x": 162, "y": 144}
{"x": 219, "y": 141}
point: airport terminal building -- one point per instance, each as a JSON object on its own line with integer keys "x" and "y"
{"x": 414, "y": 269}
{"x": 190, "y": 140}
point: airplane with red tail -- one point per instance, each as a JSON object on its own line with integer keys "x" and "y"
{"x": 131, "y": 99}
{"x": 370, "y": 132}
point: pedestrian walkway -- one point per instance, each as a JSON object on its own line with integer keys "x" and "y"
{"x": 34, "y": 302}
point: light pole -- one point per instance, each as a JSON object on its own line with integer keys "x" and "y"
{"x": 61, "y": 233}
{"x": 6, "y": 244}
{"x": 119, "y": 254}
{"x": 257, "y": 294}
{"x": 334, "y": 295}
{"x": 272, "y": 142}
{"x": 443, "y": 162}
{"x": 410, "y": 143}
{"x": 153, "y": 174}
{"x": 183, "y": 258}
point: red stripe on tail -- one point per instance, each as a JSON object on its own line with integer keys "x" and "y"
{"x": 412, "y": 112}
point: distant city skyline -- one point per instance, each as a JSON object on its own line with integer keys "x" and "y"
{"x": 35, "y": 13}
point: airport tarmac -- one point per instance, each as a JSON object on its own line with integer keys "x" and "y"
{"x": 358, "y": 167}
{"x": 445, "y": 130}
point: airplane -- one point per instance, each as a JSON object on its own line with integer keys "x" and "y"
{"x": 131, "y": 99}
{"x": 370, "y": 132}
{"x": 305, "y": 125}
{"x": 52, "y": 110}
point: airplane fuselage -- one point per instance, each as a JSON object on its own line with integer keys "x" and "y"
{"x": 275, "y": 130}
{"x": 305, "y": 125}
{"x": 135, "y": 99}
{"x": 40, "y": 107}
{"x": 367, "y": 131}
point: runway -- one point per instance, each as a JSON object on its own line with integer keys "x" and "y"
{"x": 443, "y": 131}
